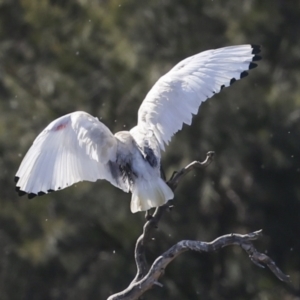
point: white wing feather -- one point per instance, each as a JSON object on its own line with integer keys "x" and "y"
{"x": 73, "y": 148}
{"x": 177, "y": 95}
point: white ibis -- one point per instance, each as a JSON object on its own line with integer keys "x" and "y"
{"x": 78, "y": 147}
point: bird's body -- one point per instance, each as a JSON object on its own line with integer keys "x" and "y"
{"x": 79, "y": 147}
{"x": 137, "y": 169}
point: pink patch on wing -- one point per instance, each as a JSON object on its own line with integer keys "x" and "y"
{"x": 60, "y": 126}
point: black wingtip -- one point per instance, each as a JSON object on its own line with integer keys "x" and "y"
{"x": 244, "y": 74}
{"x": 252, "y": 66}
{"x": 256, "y": 58}
{"x": 16, "y": 179}
{"x": 21, "y": 193}
{"x": 256, "y": 49}
{"x": 31, "y": 195}
{"x": 232, "y": 81}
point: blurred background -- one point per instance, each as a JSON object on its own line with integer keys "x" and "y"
{"x": 103, "y": 57}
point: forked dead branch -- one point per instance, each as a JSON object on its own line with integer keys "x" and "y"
{"x": 146, "y": 277}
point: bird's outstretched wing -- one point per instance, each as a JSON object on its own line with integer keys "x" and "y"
{"x": 177, "y": 95}
{"x": 73, "y": 148}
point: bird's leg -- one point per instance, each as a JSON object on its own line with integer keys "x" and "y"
{"x": 170, "y": 207}
{"x": 173, "y": 175}
{"x": 148, "y": 215}
{"x": 162, "y": 172}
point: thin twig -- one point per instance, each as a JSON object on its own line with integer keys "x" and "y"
{"x": 177, "y": 176}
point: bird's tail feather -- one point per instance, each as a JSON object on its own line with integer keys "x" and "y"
{"x": 147, "y": 194}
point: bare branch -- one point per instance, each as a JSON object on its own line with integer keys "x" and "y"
{"x": 135, "y": 290}
{"x": 153, "y": 220}
{"x": 177, "y": 176}
{"x": 147, "y": 278}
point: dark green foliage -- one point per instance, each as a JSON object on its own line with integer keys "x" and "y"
{"x": 103, "y": 57}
